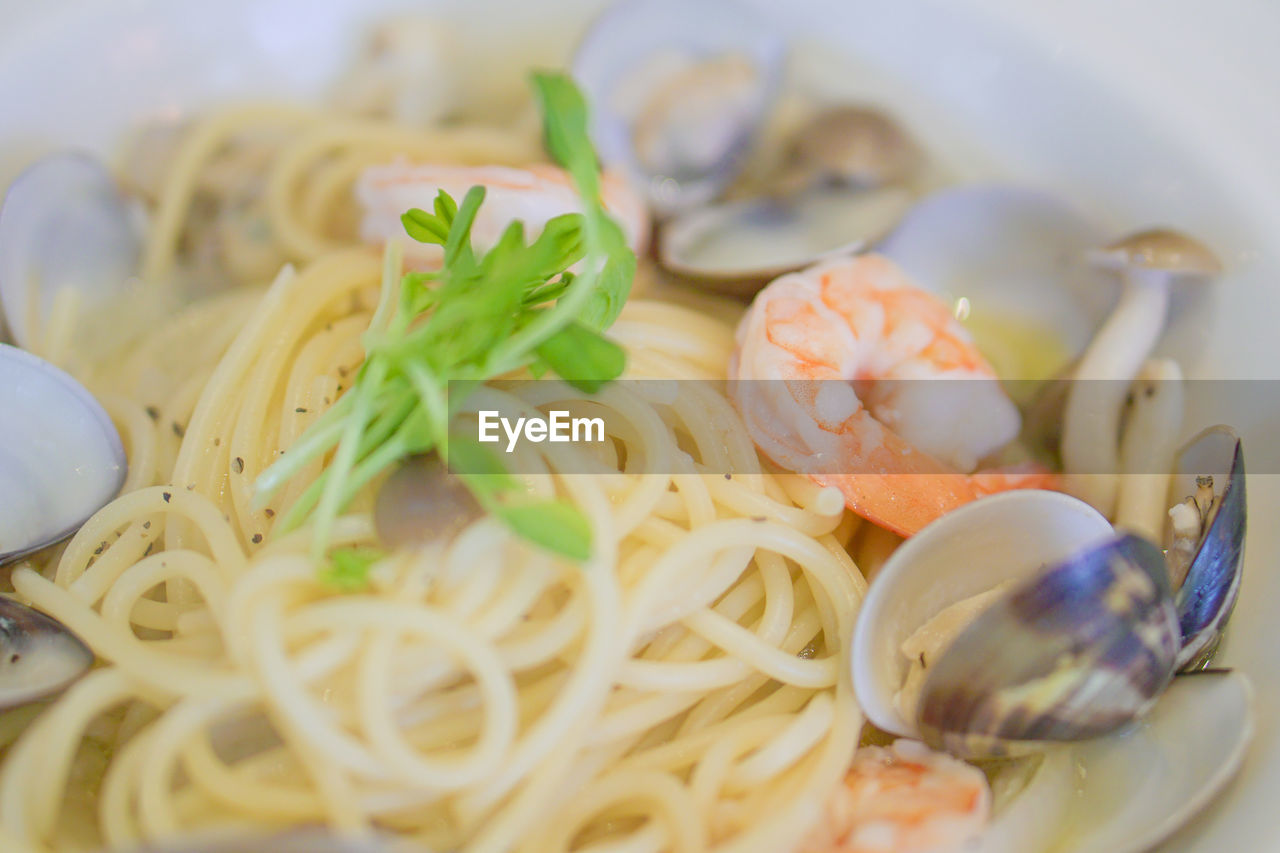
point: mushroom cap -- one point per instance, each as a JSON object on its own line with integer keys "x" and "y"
{"x": 1161, "y": 249}
{"x": 852, "y": 144}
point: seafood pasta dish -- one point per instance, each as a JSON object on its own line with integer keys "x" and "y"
{"x": 637, "y": 467}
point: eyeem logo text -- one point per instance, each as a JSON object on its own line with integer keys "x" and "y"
{"x": 557, "y": 426}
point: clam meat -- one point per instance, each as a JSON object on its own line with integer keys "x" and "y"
{"x": 679, "y": 92}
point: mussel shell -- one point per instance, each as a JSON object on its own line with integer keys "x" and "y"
{"x": 1074, "y": 653}
{"x": 38, "y": 655}
{"x": 1209, "y": 592}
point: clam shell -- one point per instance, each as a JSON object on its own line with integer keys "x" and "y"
{"x": 741, "y": 246}
{"x": 1074, "y": 653}
{"x": 61, "y": 458}
{"x": 1009, "y": 536}
{"x": 64, "y": 224}
{"x": 1009, "y": 250}
{"x": 634, "y": 40}
{"x": 1209, "y": 592}
{"x": 1128, "y": 791}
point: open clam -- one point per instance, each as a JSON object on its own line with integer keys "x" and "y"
{"x": 1071, "y": 653}
{"x": 740, "y": 246}
{"x": 841, "y": 187}
{"x": 1004, "y": 539}
{"x": 64, "y": 227}
{"x": 679, "y": 91}
{"x": 61, "y": 458}
{"x": 1033, "y": 622}
{"x": 1077, "y": 635}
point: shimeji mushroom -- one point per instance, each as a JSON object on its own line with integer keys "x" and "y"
{"x": 1149, "y": 262}
{"x": 1148, "y": 448}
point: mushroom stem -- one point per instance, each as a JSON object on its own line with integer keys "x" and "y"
{"x": 1148, "y": 447}
{"x": 1091, "y": 423}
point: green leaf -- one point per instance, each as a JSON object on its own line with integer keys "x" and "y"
{"x": 561, "y": 244}
{"x": 555, "y": 525}
{"x": 548, "y": 292}
{"x": 348, "y": 568}
{"x": 614, "y": 285}
{"x": 446, "y": 208}
{"x": 583, "y": 357}
{"x": 438, "y": 335}
{"x": 424, "y": 227}
{"x": 459, "y": 243}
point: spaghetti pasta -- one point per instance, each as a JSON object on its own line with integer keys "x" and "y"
{"x": 680, "y": 691}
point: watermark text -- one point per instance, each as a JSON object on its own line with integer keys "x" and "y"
{"x": 557, "y": 426}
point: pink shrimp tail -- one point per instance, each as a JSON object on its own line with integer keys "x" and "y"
{"x": 1029, "y": 475}
{"x": 905, "y": 502}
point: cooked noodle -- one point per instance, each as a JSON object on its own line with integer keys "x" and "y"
{"x": 683, "y": 690}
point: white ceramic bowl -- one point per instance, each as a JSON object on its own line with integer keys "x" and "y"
{"x": 1146, "y": 111}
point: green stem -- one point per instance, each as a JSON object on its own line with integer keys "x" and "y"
{"x": 388, "y": 294}
{"x": 316, "y": 441}
{"x": 362, "y": 473}
{"x": 345, "y": 458}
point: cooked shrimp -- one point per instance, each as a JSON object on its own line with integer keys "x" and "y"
{"x": 902, "y": 799}
{"x": 534, "y": 195}
{"x": 862, "y": 323}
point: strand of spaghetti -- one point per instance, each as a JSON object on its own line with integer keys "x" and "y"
{"x": 466, "y": 145}
{"x": 260, "y": 402}
{"x": 767, "y": 658}
{"x": 498, "y": 693}
{"x": 244, "y": 792}
{"x": 136, "y": 507}
{"x": 184, "y": 174}
{"x": 166, "y": 674}
{"x": 588, "y": 685}
{"x": 665, "y": 797}
{"x": 138, "y": 432}
{"x": 126, "y": 593}
{"x": 213, "y": 415}
{"x": 36, "y": 768}
{"x": 156, "y": 816}
{"x": 788, "y": 745}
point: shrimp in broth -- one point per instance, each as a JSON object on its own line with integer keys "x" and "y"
{"x": 905, "y": 798}
{"x": 853, "y": 345}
